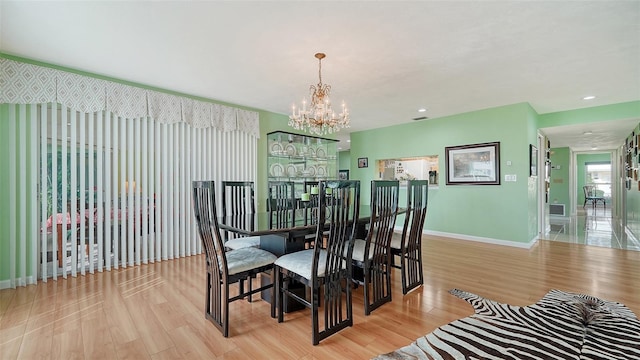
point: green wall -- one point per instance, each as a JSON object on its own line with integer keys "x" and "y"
{"x": 344, "y": 160}
{"x": 499, "y": 212}
{"x": 559, "y": 188}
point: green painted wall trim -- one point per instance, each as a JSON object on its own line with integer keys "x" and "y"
{"x": 533, "y": 182}
{"x": 621, "y": 111}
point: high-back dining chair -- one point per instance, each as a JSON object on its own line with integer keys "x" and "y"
{"x": 311, "y": 209}
{"x": 238, "y": 198}
{"x": 409, "y": 246}
{"x": 372, "y": 255}
{"x": 324, "y": 269}
{"x": 281, "y": 204}
{"x": 224, "y": 267}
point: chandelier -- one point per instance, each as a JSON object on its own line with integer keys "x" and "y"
{"x": 319, "y": 118}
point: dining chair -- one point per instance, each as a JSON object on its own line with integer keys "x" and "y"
{"x": 225, "y": 267}
{"x": 238, "y": 198}
{"x": 281, "y": 203}
{"x": 408, "y": 246}
{"x": 591, "y": 194}
{"x": 372, "y": 256}
{"x": 325, "y": 270}
{"x": 310, "y": 209}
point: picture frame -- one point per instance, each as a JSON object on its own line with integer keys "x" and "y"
{"x": 533, "y": 161}
{"x": 474, "y": 164}
{"x": 363, "y": 162}
{"x": 343, "y": 174}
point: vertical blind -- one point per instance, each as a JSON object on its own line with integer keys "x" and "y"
{"x": 95, "y": 191}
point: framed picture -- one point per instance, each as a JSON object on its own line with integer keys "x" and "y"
{"x": 363, "y": 162}
{"x": 343, "y": 174}
{"x": 533, "y": 160}
{"x": 476, "y": 164}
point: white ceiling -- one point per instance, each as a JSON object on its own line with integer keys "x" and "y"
{"x": 386, "y": 59}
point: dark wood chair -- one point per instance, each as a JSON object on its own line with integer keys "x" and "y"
{"x": 224, "y": 267}
{"x": 238, "y": 198}
{"x": 281, "y": 203}
{"x": 408, "y": 247}
{"x": 372, "y": 256}
{"x": 325, "y": 270}
{"x": 591, "y": 195}
{"x": 310, "y": 209}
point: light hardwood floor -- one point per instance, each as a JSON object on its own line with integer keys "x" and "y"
{"x": 156, "y": 311}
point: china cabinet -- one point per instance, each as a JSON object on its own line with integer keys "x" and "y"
{"x": 300, "y": 158}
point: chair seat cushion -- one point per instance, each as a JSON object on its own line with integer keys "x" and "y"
{"x": 248, "y": 258}
{"x": 299, "y": 262}
{"x": 243, "y": 242}
{"x": 358, "y": 250}
{"x": 396, "y": 241}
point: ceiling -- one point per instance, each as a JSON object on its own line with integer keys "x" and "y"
{"x": 385, "y": 59}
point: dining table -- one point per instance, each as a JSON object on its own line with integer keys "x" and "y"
{"x": 260, "y": 223}
{"x": 293, "y": 236}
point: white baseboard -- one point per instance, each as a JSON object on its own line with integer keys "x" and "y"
{"x": 6, "y": 284}
{"x": 527, "y": 245}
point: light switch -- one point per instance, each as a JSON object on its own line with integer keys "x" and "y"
{"x": 510, "y": 177}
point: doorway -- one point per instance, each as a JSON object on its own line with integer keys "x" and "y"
{"x": 594, "y": 169}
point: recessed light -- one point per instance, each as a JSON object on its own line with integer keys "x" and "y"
{"x": 594, "y": 148}
{"x": 422, "y": 110}
{"x": 590, "y": 97}
{"x": 588, "y": 132}
{"x": 349, "y": 140}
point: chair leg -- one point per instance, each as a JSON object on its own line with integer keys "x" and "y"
{"x": 225, "y": 326}
{"x": 279, "y": 294}
{"x": 315, "y": 338}
{"x": 273, "y": 293}
{"x": 367, "y": 284}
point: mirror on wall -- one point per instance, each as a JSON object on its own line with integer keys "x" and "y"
{"x": 409, "y": 168}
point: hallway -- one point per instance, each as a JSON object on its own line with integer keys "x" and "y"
{"x": 591, "y": 227}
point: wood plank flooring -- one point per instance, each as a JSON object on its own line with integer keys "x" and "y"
{"x": 156, "y": 311}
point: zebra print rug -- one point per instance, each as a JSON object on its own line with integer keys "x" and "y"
{"x": 561, "y": 325}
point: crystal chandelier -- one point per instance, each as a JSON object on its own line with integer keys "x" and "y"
{"x": 319, "y": 118}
